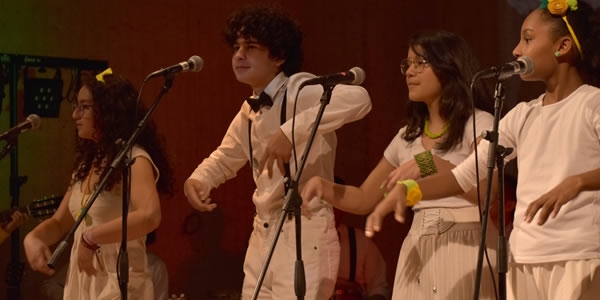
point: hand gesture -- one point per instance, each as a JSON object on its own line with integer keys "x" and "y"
{"x": 198, "y": 194}
{"x": 394, "y": 201}
{"x": 375, "y": 218}
{"x": 85, "y": 260}
{"x": 278, "y": 149}
{"x": 38, "y": 254}
{"x": 314, "y": 187}
{"x": 17, "y": 219}
{"x": 408, "y": 170}
{"x": 550, "y": 203}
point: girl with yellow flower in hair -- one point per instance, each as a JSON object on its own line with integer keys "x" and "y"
{"x": 104, "y": 113}
{"x": 555, "y": 241}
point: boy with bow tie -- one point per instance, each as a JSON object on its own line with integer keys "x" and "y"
{"x": 267, "y": 56}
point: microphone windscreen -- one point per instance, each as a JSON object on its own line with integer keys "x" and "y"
{"x": 197, "y": 63}
{"x": 35, "y": 120}
{"x": 529, "y": 65}
{"x": 359, "y": 75}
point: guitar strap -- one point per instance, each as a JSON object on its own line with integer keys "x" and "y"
{"x": 282, "y": 119}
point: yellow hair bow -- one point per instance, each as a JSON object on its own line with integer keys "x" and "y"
{"x": 100, "y": 77}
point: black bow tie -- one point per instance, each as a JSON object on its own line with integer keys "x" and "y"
{"x": 263, "y": 99}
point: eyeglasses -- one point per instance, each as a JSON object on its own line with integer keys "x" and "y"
{"x": 80, "y": 108}
{"x": 419, "y": 63}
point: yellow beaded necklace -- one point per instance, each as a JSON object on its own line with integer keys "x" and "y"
{"x": 434, "y": 136}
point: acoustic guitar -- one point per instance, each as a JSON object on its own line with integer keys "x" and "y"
{"x": 38, "y": 209}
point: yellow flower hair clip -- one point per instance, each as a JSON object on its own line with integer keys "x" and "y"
{"x": 560, "y": 8}
{"x": 100, "y": 77}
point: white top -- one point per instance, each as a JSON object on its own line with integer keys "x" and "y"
{"x": 551, "y": 142}
{"x": 348, "y": 103}
{"x": 105, "y": 285}
{"x": 400, "y": 151}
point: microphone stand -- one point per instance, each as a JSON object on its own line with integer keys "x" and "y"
{"x": 14, "y": 269}
{"x": 123, "y": 161}
{"x": 10, "y": 144}
{"x": 292, "y": 204}
{"x": 496, "y": 155}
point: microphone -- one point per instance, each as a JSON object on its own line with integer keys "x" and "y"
{"x": 354, "y": 76}
{"x": 194, "y": 64}
{"x": 32, "y": 122}
{"x": 523, "y": 65}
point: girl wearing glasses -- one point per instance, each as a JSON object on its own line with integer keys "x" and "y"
{"x": 104, "y": 113}
{"x": 437, "y": 256}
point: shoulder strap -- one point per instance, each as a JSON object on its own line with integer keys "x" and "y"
{"x": 282, "y": 119}
{"x": 250, "y": 145}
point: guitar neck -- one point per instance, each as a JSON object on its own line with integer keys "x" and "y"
{"x": 38, "y": 208}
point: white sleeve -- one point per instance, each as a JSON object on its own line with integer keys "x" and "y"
{"x": 233, "y": 153}
{"x": 348, "y": 103}
{"x": 465, "y": 173}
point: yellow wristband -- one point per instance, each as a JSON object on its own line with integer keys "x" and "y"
{"x": 413, "y": 192}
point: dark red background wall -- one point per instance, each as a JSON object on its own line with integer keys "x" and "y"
{"x": 138, "y": 37}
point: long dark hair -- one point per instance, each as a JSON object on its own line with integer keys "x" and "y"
{"x": 454, "y": 64}
{"x": 586, "y": 25}
{"x": 114, "y": 107}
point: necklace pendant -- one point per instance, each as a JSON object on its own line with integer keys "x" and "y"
{"x": 85, "y": 218}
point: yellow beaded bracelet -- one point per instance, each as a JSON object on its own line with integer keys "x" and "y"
{"x": 413, "y": 192}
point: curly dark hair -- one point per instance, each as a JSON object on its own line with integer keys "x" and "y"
{"x": 272, "y": 29}
{"x": 454, "y": 64}
{"x": 586, "y": 25}
{"x": 114, "y": 107}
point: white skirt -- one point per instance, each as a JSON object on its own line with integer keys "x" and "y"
{"x": 438, "y": 259}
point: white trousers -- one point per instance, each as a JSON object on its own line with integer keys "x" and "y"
{"x": 320, "y": 254}
{"x": 563, "y": 280}
{"x": 438, "y": 259}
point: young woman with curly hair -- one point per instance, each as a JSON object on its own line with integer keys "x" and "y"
{"x": 105, "y": 113}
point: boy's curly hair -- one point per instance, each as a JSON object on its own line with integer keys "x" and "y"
{"x": 272, "y": 29}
